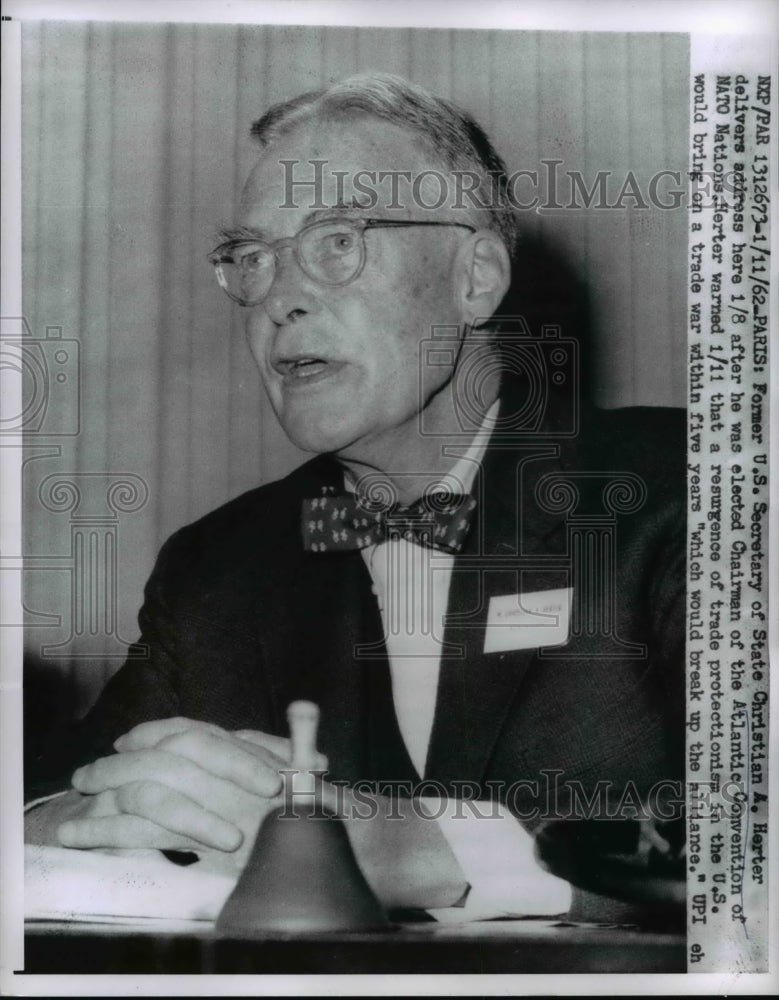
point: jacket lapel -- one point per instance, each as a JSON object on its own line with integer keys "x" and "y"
{"x": 515, "y": 547}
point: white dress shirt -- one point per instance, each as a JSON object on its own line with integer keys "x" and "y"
{"x": 411, "y": 583}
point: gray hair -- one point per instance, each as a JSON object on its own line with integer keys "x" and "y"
{"x": 449, "y": 133}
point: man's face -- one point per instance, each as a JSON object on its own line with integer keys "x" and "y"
{"x": 362, "y": 395}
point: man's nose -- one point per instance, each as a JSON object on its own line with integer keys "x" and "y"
{"x": 290, "y": 295}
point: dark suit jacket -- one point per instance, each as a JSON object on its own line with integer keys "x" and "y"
{"x": 238, "y": 621}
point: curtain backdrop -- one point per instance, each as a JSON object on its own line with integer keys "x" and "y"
{"x": 135, "y": 143}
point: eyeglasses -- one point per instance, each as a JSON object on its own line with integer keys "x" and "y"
{"x": 331, "y": 252}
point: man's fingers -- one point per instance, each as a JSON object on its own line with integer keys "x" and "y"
{"x": 122, "y": 831}
{"x": 158, "y": 733}
{"x": 178, "y": 813}
{"x": 209, "y": 791}
{"x": 278, "y": 745}
{"x": 256, "y": 773}
{"x": 251, "y": 768}
{"x": 148, "y": 734}
{"x": 261, "y": 753}
{"x": 165, "y": 807}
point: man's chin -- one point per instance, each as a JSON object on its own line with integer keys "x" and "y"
{"x": 320, "y": 439}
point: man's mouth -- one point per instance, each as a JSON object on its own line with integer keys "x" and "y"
{"x": 305, "y": 368}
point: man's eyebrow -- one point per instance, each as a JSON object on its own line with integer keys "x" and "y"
{"x": 339, "y": 208}
{"x": 226, "y": 234}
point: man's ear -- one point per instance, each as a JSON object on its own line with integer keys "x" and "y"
{"x": 484, "y": 273}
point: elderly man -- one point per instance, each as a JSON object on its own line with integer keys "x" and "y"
{"x": 516, "y": 663}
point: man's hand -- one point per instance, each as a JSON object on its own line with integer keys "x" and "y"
{"x": 178, "y": 784}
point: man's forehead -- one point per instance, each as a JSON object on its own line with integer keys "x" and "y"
{"x": 346, "y": 136}
{"x": 323, "y": 164}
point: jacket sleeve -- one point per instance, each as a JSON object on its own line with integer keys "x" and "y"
{"x": 144, "y": 688}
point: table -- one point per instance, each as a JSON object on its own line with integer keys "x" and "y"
{"x": 511, "y": 946}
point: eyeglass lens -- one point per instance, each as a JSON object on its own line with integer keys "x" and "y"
{"x": 329, "y": 252}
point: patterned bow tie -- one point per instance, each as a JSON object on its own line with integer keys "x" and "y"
{"x": 337, "y": 523}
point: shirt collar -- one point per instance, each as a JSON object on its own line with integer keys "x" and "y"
{"x": 459, "y": 479}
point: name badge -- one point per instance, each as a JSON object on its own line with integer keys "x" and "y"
{"x": 527, "y": 621}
